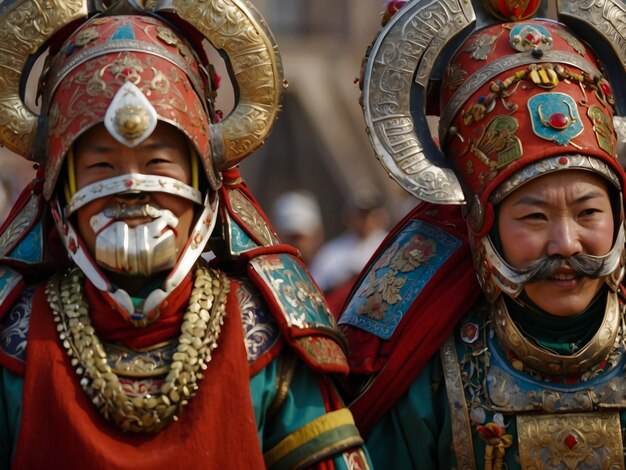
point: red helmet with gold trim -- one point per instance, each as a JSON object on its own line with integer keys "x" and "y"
{"x": 515, "y": 94}
{"x": 127, "y": 41}
{"x": 99, "y": 60}
{"x": 522, "y": 100}
{"x": 128, "y": 64}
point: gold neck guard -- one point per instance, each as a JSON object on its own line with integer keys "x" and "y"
{"x": 547, "y": 362}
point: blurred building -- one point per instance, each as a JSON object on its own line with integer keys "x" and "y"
{"x": 319, "y": 143}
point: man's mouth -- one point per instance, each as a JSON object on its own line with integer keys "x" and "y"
{"x": 131, "y": 214}
{"x": 564, "y": 273}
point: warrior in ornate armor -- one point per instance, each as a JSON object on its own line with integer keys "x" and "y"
{"x": 150, "y": 317}
{"x": 488, "y": 330}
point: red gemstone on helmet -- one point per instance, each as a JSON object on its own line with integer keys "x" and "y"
{"x": 129, "y": 183}
{"x": 606, "y": 89}
{"x": 563, "y": 160}
{"x": 558, "y": 121}
{"x": 532, "y": 39}
{"x": 571, "y": 441}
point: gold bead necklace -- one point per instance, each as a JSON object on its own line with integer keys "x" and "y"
{"x": 147, "y": 413}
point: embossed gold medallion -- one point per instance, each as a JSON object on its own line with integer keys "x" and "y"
{"x": 571, "y": 441}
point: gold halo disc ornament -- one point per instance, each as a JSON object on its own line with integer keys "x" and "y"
{"x": 25, "y": 27}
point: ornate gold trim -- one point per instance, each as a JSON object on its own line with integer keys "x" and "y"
{"x": 19, "y": 225}
{"x": 237, "y": 28}
{"x": 580, "y": 440}
{"x": 250, "y": 216}
{"x": 459, "y": 415}
{"x": 544, "y": 361}
{"x": 25, "y": 26}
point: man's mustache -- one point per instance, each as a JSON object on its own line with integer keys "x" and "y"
{"x": 128, "y": 211}
{"x": 582, "y": 265}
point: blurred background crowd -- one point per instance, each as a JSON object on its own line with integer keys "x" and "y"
{"x": 316, "y": 176}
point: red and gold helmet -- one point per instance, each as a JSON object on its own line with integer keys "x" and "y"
{"x": 141, "y": 48}
{"x": 128, "y": 64}
{"x": 126, "y": 71}
{"x": 516, "y": 94}
{"x": 515, "y": 98}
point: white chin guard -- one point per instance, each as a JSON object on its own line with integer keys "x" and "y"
{"x": 141, "y": 250}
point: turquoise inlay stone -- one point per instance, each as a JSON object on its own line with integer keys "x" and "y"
{"x": 397, "y": 277}
{"x": 123, "y": 32}
{"x": 554, "y": 117}
{"x": 239, "y": 240}
{"x": 30, "y": 249}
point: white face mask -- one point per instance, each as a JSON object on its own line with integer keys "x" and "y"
{"x": 147, "y": 248}
{"x": 142, "y": 250}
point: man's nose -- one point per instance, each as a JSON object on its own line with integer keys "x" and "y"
{"x": 564, "y": 239}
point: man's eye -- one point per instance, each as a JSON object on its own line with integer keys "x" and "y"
{"x": 534, "y": 216}
{"x": 100, "y": 165}
{"x": 588, "y": 212}
{"x": 157, "y": 161}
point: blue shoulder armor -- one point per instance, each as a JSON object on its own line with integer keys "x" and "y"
{"x": 397, "y": 276}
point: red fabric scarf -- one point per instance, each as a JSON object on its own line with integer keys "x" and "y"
{"x": 112, "y": 325}
{"x": 60, "y": 425}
